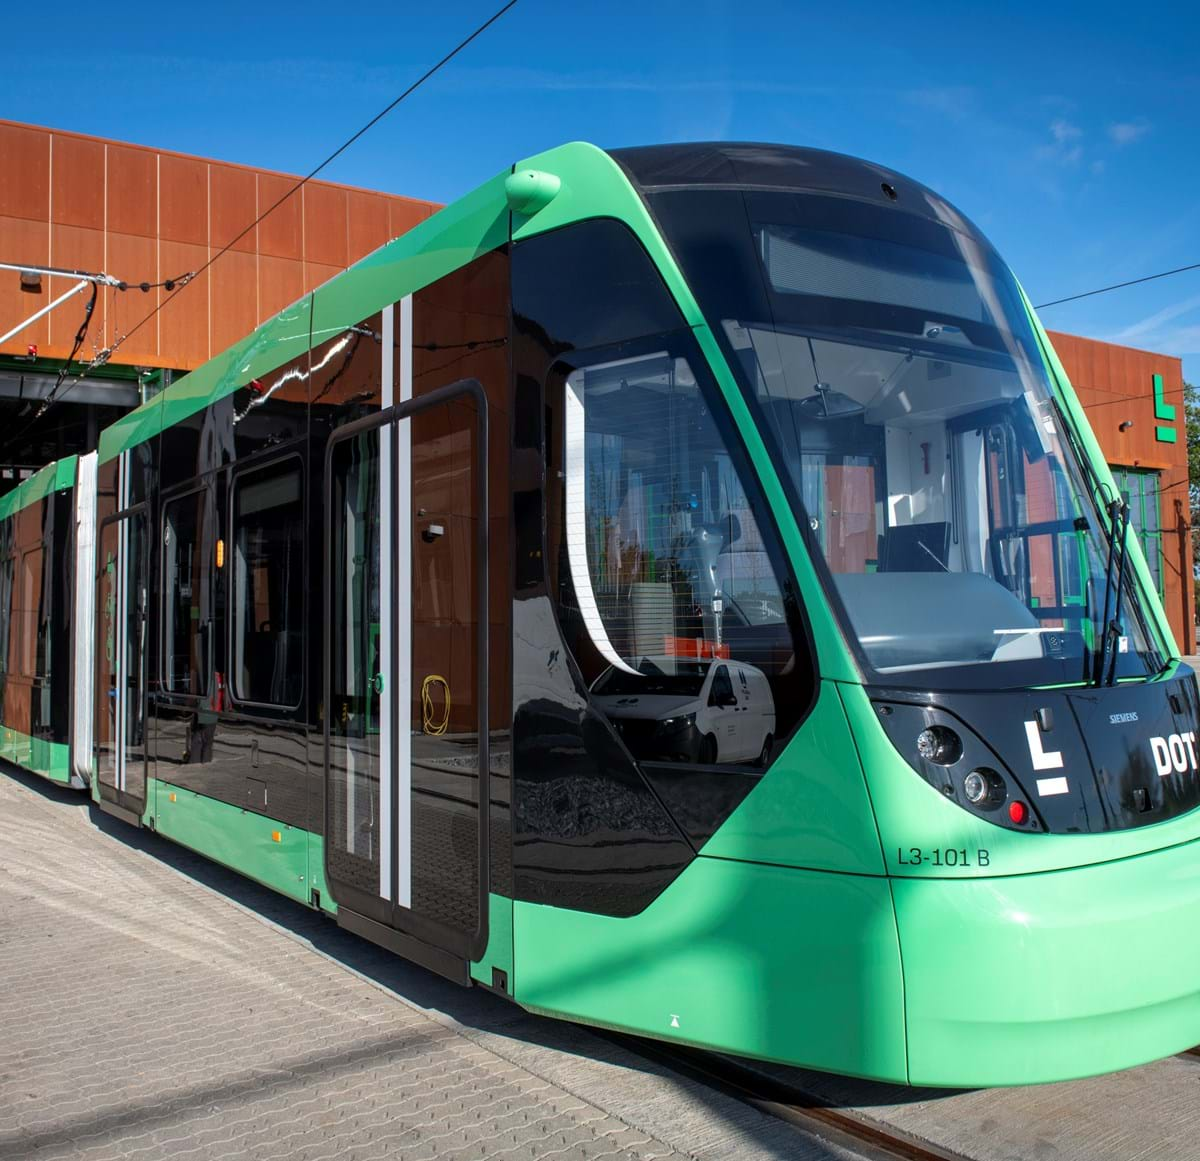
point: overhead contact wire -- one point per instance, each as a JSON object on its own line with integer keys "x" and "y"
{"x": 175, "y": 286}
{"x": 1118, "y": 286}
{"x": 425, "y": 76}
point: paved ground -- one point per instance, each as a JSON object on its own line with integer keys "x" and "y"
{"x": 153, "y": 1005}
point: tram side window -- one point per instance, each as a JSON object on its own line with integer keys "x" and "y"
{"x": 268, "y": 585}
{"x": 32, "y": 636}
{"x": 672, "y": 565}
{"x": 187, "y": 614}
{"x": 7, "y": 636}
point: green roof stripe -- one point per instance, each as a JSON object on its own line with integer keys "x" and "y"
{"x": 449, "y": 239}
{"x": 54, "y": 477}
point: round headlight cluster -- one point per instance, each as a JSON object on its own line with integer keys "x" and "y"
{"x": 939, "y": 744}
{"x": 984, "y": 787}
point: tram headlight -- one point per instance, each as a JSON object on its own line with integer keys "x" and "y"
{"x": 984, "y": 788}
{"x": 975, "y": 787}
{"x": 939, "y": 744}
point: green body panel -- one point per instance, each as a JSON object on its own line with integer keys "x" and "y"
{"x": 812, "y": 806}
{"x": 451, "y": 238}
{"x": 773, "y": 962}
{"x": 275, "y": 342}
{"x": 316, "y": 872}
{"x": 499, "y": 953}
{"x": 49, "y": 759}
{"x": 232, "y": 836}
{"x": 1048, "y": 977}
{"x": 594, "y": 186}
{"x": 912, "y": 814}
{"x": 54, "y": 477}
{"x": 1083, "y": 430}
{"x": 783, "y": 939}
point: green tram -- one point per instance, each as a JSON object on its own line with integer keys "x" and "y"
{"x": 719, "y": 518}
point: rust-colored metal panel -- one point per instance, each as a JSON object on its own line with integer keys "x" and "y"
{"x": 280, "y": 233}
{"x": 183, "y": 321}
{"x": 77, "y": 181}
{"x": 325, "y": 225}
{"x": 76, "y": 248}
{"x": 315, "y": 273}
{"x": 166, "y": 214}
{"x": 24, "y": 173}
{"x": 29, "y": 242}
{"x": 280, "y": 283}
{"x": 234, "y": 298}
{"x": 367, "y": 216}
{"x": 234, "y": 199}
{"x": 403, "y": 214}
{"x": 1116, "y": 386}
{"x": 132, "y": 203}
{"x": 183, "y": 199}
{"x": 133, "y": 258}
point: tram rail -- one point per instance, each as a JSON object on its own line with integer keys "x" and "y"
{"x": 808, "y": 1111}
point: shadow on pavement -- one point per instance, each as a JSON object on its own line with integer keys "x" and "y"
{"x": 474, "y": 1008}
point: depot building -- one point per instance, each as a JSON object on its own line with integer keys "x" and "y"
{"x": 152, "y": 216}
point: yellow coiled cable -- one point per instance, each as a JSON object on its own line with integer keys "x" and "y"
{"x": 428, "y": 709}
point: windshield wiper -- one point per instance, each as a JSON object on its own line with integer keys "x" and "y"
{"x": 1112, "y": 629}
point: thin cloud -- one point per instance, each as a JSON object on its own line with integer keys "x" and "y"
{"x": 1153, "y": 325}
{"x": 1067, "y": 147}
{"x": 1127, "y": 132}
{"x": 1063, "y": 131}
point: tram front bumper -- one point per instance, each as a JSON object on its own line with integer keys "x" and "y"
{"x": 1045, "y": 977}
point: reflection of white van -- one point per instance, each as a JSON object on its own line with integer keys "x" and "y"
{"x": 677, "y": 709}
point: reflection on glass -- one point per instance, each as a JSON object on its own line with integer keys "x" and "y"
{"x": 674, "y": 710}
{"x": 672, "y": 582}
{"x": 893, "y": 360}
{"x": 268, "y": 585}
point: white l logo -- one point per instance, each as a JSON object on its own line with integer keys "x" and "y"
{"x": 1042, "y": 759}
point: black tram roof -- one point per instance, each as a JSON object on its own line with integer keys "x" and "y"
{"x": 758, "y": 165}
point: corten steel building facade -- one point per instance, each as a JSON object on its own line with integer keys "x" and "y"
{"x": 141, "y": 214}
{"x": 147, "y": 215}
{"x": 1134, "y": 401}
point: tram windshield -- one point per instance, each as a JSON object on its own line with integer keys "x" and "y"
{"x": 893, "y": 364}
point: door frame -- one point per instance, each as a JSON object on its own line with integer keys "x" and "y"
{"x": 412, "y": 935}
{"x": 120, "y": 802}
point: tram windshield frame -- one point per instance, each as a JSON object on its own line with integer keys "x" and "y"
{"x": 895, "y": 375}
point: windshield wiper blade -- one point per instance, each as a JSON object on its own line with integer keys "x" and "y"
{"x": 1111, "y": 629}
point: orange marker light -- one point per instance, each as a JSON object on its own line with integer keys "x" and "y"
{"x": 220, "y": 554}
{"x": 276, "y": 837}
{"x": 171, "y": 796}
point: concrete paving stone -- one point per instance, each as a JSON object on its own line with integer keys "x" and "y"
{"x": 153, "y": 1005}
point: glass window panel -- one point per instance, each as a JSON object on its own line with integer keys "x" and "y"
{"x": 7, "y": 638}
{"x": 32, "y": 645}
{"x": 268, "y": 585}
{"x": 670, "y": 568}
{"x": 187, "y": 616}
{"x": 355, "y": 679}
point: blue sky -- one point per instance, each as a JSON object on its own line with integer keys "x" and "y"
{"x": 1069, "y": 132}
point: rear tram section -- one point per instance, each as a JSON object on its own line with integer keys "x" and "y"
{"x": 675, "y": 589}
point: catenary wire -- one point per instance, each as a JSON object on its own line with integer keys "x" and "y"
{"x": 462, "y": 44}
{"x": 1118, "y": 286}
{"x": 46, "y": 403}
{"x": 175, "y": 286}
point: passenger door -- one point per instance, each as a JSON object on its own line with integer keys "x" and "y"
{"x": 121, "y": 602}
{"x": 405, "y": 702}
